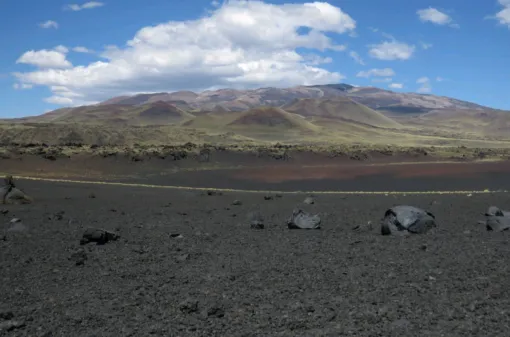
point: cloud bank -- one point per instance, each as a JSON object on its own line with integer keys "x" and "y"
{"x": 239, "y": 44}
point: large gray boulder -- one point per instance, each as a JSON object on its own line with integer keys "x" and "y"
{"x": 303, "y": 220}
{"x": 496, "y": 219}
{"x": 496, "y": 211}
{"x": 10, "y": 194}
{"x": 407, "y": 219}
{"x": 497, "y": 223}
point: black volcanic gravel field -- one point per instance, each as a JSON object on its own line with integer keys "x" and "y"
{"x": 222, "y": 278}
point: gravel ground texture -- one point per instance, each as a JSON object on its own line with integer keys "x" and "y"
{"x": 188, "y": 263}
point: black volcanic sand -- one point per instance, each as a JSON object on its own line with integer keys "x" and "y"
{"x": 223, "y": 278}
{"x": 251, "y": 173}
{"x": 400, "y": 177}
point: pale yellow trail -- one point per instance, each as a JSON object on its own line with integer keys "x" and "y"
{"x": 256, "y": 191}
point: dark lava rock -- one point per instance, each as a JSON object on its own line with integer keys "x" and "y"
{"x": 57, "y": 216}
{"x": 78, "y": 257}
{"x": 268, "y": 197}
{"x": 496, "y": 219}
{"x": 303, "y": 220}
{"x": 497, "y": 223}
{"x": 363, "y": 228}
{"x": 237, "y": 203}
{"x": 188, "y": 306}
{"x": 17, "y": 227}
{"x": 407, "y": 219}
{"x": 216, "y": 311}
{"x": 50, "y": 157}
{"x": 257, "y": 225}
{"x": 11, "y": 325}
{"x": 496, "y": 211}
{"x": 213, "y": 193}
{"x": 100, "y": 236}
{"x": 256, "y": 220}
{"x": 4, "y": 211}
{"x": 6, "y": 315}
{"x": 10, "y": 194}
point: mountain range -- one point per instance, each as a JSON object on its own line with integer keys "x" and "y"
{"x": 293, "y": 113}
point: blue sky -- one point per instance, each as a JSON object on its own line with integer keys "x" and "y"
{"x": 60, "y": 53}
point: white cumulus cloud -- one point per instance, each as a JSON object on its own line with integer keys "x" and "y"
{"x": 355, "y": 56}
{"x": 385, "y": 72}
{"x": 22, "y": 86}
{"x": 396, "y": 85}
{"x": 240, "y": 44}
{"x": 52, "y": 59}
{"x": 49, "y": 24}
{"x": 391, "y": 50}
{"x": 503, "y": 16}
{"x": 382, "y": 80}
{"x": 425, "y": 45}
{"x": 435, "y": 16}
{"x": 87, "y": 5}
{"x": 425, "y": 87}
{"x": 62, "y": 49}
{"x": 80, "y": 49}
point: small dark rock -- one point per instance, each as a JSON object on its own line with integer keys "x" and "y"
{"x": 50, "y": 157}
{"x": 256, "y": 220}
{"x": 6, "y": 315}
{"x": 4, "y": 211}
{"x": 212, "y": 193}
{"x": 78, "y": 257}
{"x": 183, "y": 257}
{"x": 100, "y": 236}
{"x": 189, "y": 306}
{"x": 237, "y": 203}
{"x": 11, "y": 325}
{"x": 18, "y": 227}
{"x": 363, "y": 228}
{"x": 216, "y": 311}
{"x": 257, "y": 225}
{"x": 268, "y": 197}
{"x": 92, "y": 196}
{"x": 57, "y": 216}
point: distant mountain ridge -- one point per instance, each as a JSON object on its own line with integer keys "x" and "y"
{"x": 241, "y": 100}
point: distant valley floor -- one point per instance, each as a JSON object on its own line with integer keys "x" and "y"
{"x": 273, "y": 169}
